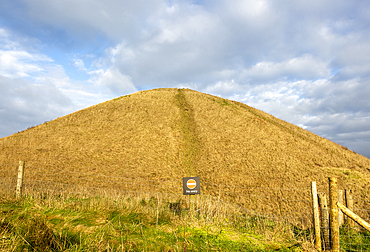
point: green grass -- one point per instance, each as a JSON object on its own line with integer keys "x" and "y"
{"x": 354, "y": 240}
{"x": 133, "y": 224}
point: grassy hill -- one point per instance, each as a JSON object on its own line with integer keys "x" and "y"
{"x": 166, "y": 134}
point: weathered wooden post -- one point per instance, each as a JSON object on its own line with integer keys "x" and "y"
{"x": 316, "y": 217}
{"x": 156, "y": 224}
{"x": 333, "y": 200}
{"x": 18, "y": 190}
{"x": 349, "y": 203}
{"x": 354, "y": 217}
{"x": 324, "y": 220}
{"x": 219, "y": 194}
{"x": 340, "y": 213}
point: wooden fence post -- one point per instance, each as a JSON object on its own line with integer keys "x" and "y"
{"x": 333, "y": 200}
{"x": 316, "y": 217}
{"x": 340, "y": 213}
{"x": 18, "y": 190}
{"x": 219, "y": 194}
{"x": 324, "y": 220}
{"x": 354, "y": 216}
{"x": 349, "y": 203}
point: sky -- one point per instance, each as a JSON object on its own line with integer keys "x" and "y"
{"x": 305, "y": 62}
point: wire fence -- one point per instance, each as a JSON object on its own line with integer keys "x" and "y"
{"x": 276, "y": 201}
{"x": 347, "y": 234}
{"x": 278, "y": 205}
{"x": 353, "y": 236}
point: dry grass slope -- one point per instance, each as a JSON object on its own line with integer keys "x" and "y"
{"x": 166, "y": 134}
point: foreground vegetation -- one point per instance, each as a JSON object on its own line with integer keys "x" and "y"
{"x": 136, "y": 224}
{"x": 354, "y": 239}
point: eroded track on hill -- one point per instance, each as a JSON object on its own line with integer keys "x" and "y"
{"x": 192, "y": 144}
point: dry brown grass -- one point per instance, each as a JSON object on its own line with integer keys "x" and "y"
{"x": 166, "y": 134}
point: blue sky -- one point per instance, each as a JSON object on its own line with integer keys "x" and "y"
{"x": 306, "y": 62}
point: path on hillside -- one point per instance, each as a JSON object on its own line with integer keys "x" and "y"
{"x": 192, "y": 144}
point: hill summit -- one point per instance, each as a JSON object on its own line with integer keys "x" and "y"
{"x": 167, "y": 134}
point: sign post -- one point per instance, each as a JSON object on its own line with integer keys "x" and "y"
{"x": 191, "y": 185}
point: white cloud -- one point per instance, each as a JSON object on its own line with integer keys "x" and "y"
{"x": 115, "y": 81}
{"x": 81, "y": 18}
{"x": 15, "y": 64}
{"x": 227, "y": 88}
{"x": 79, "y": 64}
{"x": 248, "y": 10}
{"x": 5, "y": 42}
{"x": 24, "y": 104}
{"x": 183, "y": 23}
{"x": 304, "y": 67}
{"x": 15, "y": 61}
{"x": 35, "y": 89}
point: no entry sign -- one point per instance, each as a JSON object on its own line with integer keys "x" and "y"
{"x": 191, "y": 185}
